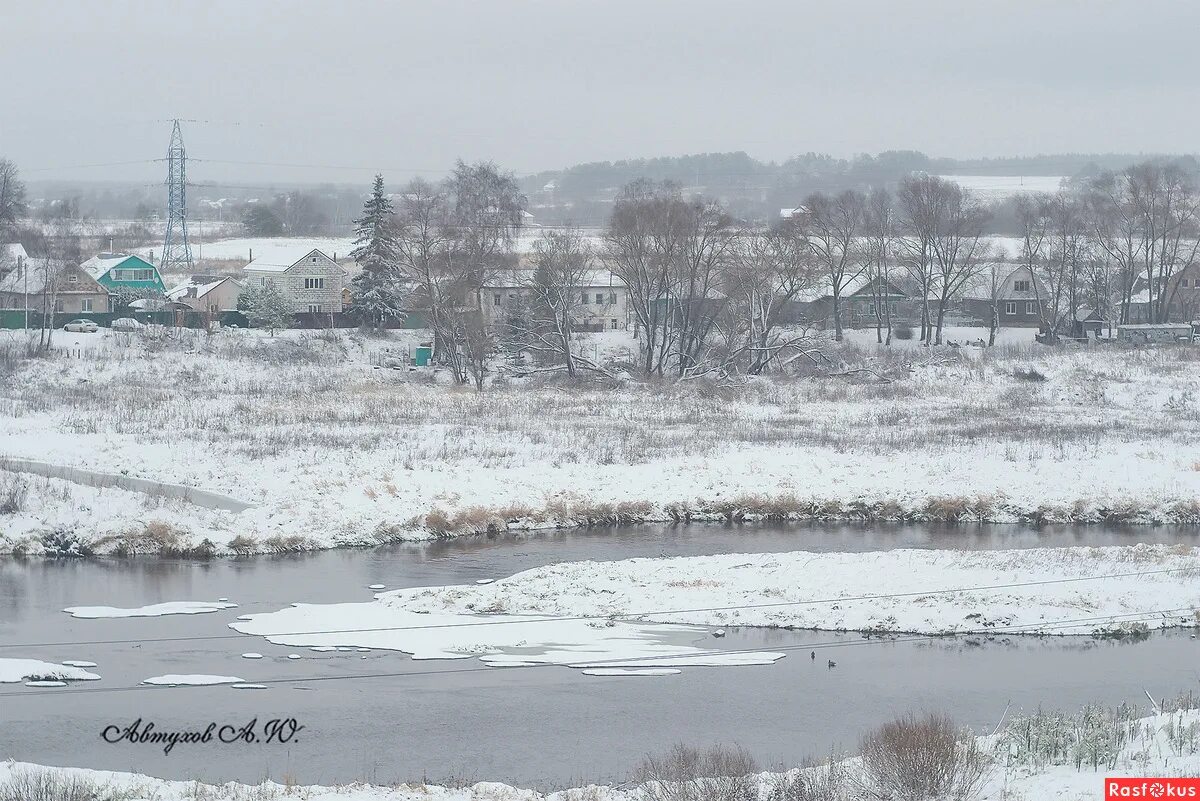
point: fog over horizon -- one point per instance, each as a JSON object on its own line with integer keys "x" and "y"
{"x": 320, "y": 91}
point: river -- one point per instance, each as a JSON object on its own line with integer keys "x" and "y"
{"x": 544, "y": 727}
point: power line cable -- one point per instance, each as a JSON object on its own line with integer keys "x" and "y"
{"x": 614, "y": 616}
{"x": 1128, "y": 618}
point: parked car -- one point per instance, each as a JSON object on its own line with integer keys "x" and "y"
{"x": 82, "y": 326}
{"x": 126, "y": 324}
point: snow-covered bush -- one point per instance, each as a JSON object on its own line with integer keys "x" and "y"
{"x": 918, "y": 758}
{"x": 65, "y": 542}
{"x": 719, "y": 773}
{"x": 13, "y": 490}
{"x": 1093, "y": 737}
{"x": 48, "y": 784}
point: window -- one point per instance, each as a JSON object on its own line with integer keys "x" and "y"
{"x": 262, "y": 282}
{"x": 314, "y": 283}
{"x": 613, "y": 324}
{"x": 1031, "y": 308}
{"x": 871, "y": 309}
{"x": 496, "y": 299}
{"x": 1020, "y": 286}
{"x": 1010, "y": 307}
{"x": 599, "y": 298}
{"x": 584, "y": 299}
{"x": 74, "y": 279}
{"x": 85, "y": 305}
{"x": 314, "y": 259}
{"x": 314, "y": 308}
{"x": 1184, "y": 283}
{"x": 893, "y": 306}
{"x": 212, "y": 307}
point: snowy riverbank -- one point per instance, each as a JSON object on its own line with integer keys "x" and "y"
{"x": 1162, "y": 745}
{"x": 652, "y": 613}
{"x": 333, "y": 448}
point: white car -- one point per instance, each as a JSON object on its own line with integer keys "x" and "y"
{"x": 126, "y": 324}
{"x": 82, "y": 326}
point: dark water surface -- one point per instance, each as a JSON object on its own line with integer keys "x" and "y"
{"x": 547, "y": 726}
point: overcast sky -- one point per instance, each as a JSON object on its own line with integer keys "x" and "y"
{"x": 353, "y": 87}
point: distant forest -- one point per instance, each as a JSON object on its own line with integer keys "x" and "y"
{"x": 750, "y": 189}
{"x": 757, "y": 190}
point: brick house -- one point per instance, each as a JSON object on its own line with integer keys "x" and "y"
{"x": 77, "y": 291}
{"x": 311, "y": 281}
{"x": 602, "y": 304}
{"x": 207, "y": 293}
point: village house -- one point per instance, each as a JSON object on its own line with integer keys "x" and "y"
{"x": 123, "y": 272}
{"x": 69, "y": 290}
{"x": 310, "y": 281}
{"x": 207, "y": 293}
{"x": 601, "y": 305}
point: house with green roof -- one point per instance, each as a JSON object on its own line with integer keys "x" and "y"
{"x": 123, "y": 271}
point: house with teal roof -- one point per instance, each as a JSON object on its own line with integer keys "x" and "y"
{"x": 117, "y": 271}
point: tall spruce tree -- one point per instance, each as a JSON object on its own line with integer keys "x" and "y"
{"x": 378, "y": 291}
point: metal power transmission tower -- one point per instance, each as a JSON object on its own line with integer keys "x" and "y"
{"x": 177, "y": 251}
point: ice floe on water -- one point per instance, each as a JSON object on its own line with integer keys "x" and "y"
{"x": 496, "y": 639}
{"x": 252, "y": 655}
{"x": 376, "y": 586}
{"x": 78, "y": 663}
{"x": 19, "y": 670}
{"x": 245, "y": 686}
{"x": 191, "y": 680}
{"x": 45, "y": 684}
{"x": 631, "y": 672}
{"x": 153, "y": 610}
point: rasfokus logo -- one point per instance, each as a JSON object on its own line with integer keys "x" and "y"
{"x": 1151, "y": 788}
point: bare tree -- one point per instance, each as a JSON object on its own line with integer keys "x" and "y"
{"x": 705, "y": 257}
{"x": 879, "y": 254}
{"x": 12, "y": 199}
{"x": 922, "y": 199}
{"x": 959, "y": 248}
{"x": 832, "y": 226}
{"x": 643, "y": 243}
{"x": 1115, "y": 228}
{"x": 486, "y": 210}
{"x": 562, "y": 263}
{"x": 773, "y": 266}
{"x": 424, "y": 244}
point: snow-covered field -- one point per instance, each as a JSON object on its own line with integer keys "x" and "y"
{"x": 239, "y": 249}
{"x": 1039, "y": 590}
{"x": 999, "y": 187}
{"x": 1160, "y": 745}
{"x": 330, "y": 447}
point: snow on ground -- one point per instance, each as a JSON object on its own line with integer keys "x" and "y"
{"x": 153, "y": 610}
{"x": 1162, "y": 745}
{"x": 998, "y": 187}
{"x": 335, "y": 448}
{"x": 16, "y": 670}
{"x": 498, "y": 640}
{"x": 239, "y": 249}
{"x": 1109, "y": 589}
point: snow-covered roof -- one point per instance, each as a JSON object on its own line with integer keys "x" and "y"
{"x": 519, "y": 278}
{"x": 282, "y": 259}
{"x": 14, "y": 280}
{"x": 10, "y": 252}
{"x": 98, "y": 266}
{"x": 201, "y": 289}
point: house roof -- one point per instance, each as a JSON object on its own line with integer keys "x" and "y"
{"x": 282, "y": 259}
{"x": 202, "y": 288}
{"x": 39, "y": 271}
{"x": 518, "y": 278}
{"x": 99, "y": 265}
{"x": 10, "y": 252}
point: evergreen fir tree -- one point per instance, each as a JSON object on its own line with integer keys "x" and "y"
{"x": 377, "y": 291}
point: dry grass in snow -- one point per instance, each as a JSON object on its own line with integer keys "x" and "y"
{"x": 334, "y": 450}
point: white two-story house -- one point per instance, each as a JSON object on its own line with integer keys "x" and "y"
{"x": 309, "y": 279}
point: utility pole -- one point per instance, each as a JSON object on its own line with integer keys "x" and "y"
{"x": 25, "y": 276}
